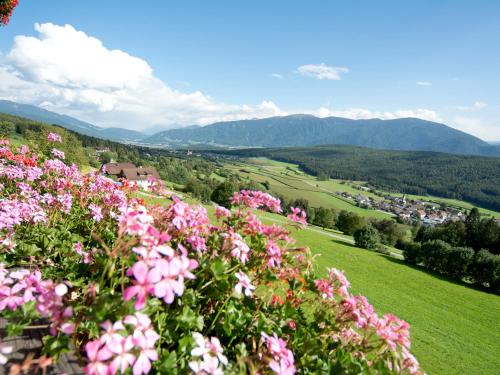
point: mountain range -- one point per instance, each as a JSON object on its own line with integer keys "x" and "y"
{"x": 39, "y": 114}
{"x": 410, "y": 134}
{"x": 306, "y": 130}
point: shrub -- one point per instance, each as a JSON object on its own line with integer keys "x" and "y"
{"x": 165, "y": 290}
{"x": 434, "y": 254}
{"x": 349, "y": 222}
{"x": 222, "y": 194}
{"x": 458, "y": 262}
{"x": 367, "y": 237}
{"x": 485, "y": 269}
{"x": 412, "y": 253}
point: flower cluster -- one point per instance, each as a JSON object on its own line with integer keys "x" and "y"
{"x": 257, "y": 199}
{"x": 281, "y": 359}
{"x": 6, "y": 9}
{"x": 335, "y": 284}
{"x": 165, "y": 273}
{"x": 160, "y": 270}
{"x": 125, "y": 343}
{"x": 298, "y": 215}
{"x": 208, "y": 354}
{"x": 18, "y": 287}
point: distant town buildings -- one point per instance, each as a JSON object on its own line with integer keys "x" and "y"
{"x": 407, "y": 210}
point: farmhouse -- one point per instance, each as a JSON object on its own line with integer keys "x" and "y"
{"x": 140, "y": 175}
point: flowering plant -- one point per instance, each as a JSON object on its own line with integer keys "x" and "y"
{"x": 165, "y": 289}
{"x": 6, "y": 9}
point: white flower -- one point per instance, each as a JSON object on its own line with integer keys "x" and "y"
{"x": 243, "y": 283}
{"x": 4, "y": 349}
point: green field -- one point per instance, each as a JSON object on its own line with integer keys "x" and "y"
{"x": 287, "y": 180}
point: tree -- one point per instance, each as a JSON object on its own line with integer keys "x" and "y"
{"x": 473, "y": 228}
{"x": 390, "y": 232}
{"x": 367, "y": 237}
{"x": 458, "y": 261}
{"x": 106, "y": 157}
{"x": 198, "y": 190}
{"x": 434, "y": 254}
{"x": 485, "y": 269}
{"x": 412, "y": 253}
{"x": 489, "y": 234}
{"x": 7, "y": 129}
{"x": 223, "y": 193}
{"x": 349, "y": 222}
{"x": 324, "y": 217}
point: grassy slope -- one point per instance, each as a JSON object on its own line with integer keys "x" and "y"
{"x": 287, "y": 180}
{"x": 455, "y": 328}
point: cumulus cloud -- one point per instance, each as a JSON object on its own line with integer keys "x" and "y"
{"x": 474, "y": 107}
{"x": 424, "y": 83}
{"x": 68, "y": 71}
{"x": 322, "y": 71}
{"x": 361, "y": 113}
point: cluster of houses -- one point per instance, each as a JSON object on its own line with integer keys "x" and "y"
{"x": 408, "y": 210}
{"x": 142, "y": 176}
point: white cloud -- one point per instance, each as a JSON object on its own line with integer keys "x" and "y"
{"x": 277, "y": 76}
{"x": 67, "y": 71}
{"x": 321, "y": 71}
{"x": 70, "y": 72}
{"x": 474, "y": 107}
{"x": 424, "y": 83}
{"x": 361, "y": 113}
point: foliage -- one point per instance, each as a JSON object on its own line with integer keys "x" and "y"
{"x": 163, "y": 289}
{"x": 485, "y": 269}
{"x": 458, "y": 263}
{"x": 367, "y": 237}
{"x": 222, "y": 194}
{"x": 349, "y": 222}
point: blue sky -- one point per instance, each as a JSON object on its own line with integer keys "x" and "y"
{"x": 190, "y": 62}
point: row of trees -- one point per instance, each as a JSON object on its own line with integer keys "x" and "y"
{"x": 476, "y": 232}
{"x": 481, "y": 267}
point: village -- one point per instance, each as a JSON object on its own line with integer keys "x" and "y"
{"x": 408, "y": 210}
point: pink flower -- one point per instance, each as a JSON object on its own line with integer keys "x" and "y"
{"x": 96, "y": 212}
{"x": 54, "y": 137}
{"x": 144, "y": 283}
{"x": 298, "y": 215}
{"x": 257, "y": 199}
{"x": 96, "y": 354}
{"x": 123, "y": 358}
{"x": 58, "y": 154}
{"x": 282, "y": 361}
{"x": 221, "y": 212}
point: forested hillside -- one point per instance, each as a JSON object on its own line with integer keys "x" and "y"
{"x": 307, "y": 130}
{"x": 471, "y": 178}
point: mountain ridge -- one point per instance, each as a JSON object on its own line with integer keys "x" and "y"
{"x": 36, "y": 113}
{"x": 410, "y": 134}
